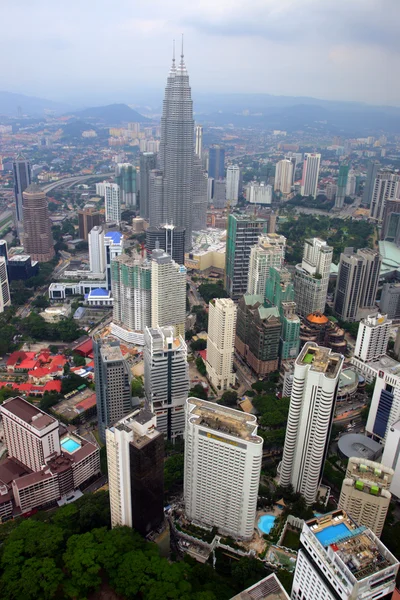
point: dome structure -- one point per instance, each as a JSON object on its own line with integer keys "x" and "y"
{"x": 317, "y": 318}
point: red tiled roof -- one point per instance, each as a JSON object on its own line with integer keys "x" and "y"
{"x": 85, "y": 348}
{"x": 15, "y": 357}
{"x": 28, "y": 363}
{"x": 39, "y": 372}
{"x": 203, "y": 354}
{"x": 53, "y": 386}
{"x": 86, "y": 403}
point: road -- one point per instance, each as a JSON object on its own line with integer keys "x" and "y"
{"x": 71, "y": 181}
{"x": 194, "y": 296}
{"x": 25, "y": 310}
{"x": 243, "y": 372}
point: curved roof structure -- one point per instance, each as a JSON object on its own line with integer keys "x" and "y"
{"x": 360, "y": 446}
{"x": 317, "y": 318}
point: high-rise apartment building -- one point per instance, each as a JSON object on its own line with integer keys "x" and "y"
{"x": 113, "y": 247}
{"x": 312, "y": 402}
{"x": 5, "y": 297}
{"x": 113, "y": 383}
{"x": 233, "y": 177}
{"x": 385, "y": 188}
{"x": 223, "y": 455}
{"x": 97, "y": 255}
{"x": 131, "y": 289}
{"x": 372, "y": 172}
{"x": 372, "y": 337}
{"x": 269, "y": 252}
{"x": 147, "y": 163}
{"x": 221, "y": 342}
{"x": 88, "y": 217}
{"x": 390, "y": 231}
{"x": 279, "y": 292}
{"x": 340, "y": 560}
{"x": 309, "y": 181}
{"x": 311, "y": 278}
{"x": 216, "y": 162}
{"x": 357, "y": 283}
{"x": 166, "y": 379}
{"x": 199, "y": 140}
{"x": 219, "y": 193}
{"x": 243, "y": 233}
{"x": 168, "y": 292}
{"x": 365, "y": 494}
{"x": 284, "y": 176}
{"x": 125, "y": 178}
{"x": 341, "y": 186}
{"x": 37, "y": 237}
{"x": 259, "y": 193}
{"x": 135, "y": 458}
{"x": 22, "y": 180}
{"x": 112, "y": 198}
{"x": 351, "y": 185}
{"x": 170, "y": 238}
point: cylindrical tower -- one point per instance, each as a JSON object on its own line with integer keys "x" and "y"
{"x": 37, "y": 236}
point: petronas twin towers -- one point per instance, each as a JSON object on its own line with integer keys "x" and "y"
{"x": 178, "y": 188}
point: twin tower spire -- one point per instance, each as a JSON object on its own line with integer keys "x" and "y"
{"x": 182, "y": 67}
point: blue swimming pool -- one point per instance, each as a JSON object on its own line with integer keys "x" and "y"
{"x": 330, "y": 534}
{"x": 70, "y": 445}
{"x": 266, "y": 523}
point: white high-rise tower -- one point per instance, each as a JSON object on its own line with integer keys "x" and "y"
{"x": 232, "y": 184}
{"x": 309, "y": 182}
{"x": 269, "y": 252}
{"x": 311, "y": 278}
{"x": 112, "y": 202}
{"x": 284, "y": 176}
{"x": 221, "y": 342}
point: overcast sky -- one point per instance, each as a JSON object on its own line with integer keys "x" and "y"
{"x": 109, "y": 49}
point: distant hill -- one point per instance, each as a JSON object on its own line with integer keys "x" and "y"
{"x": 30, "y": 105}
{"x": 113, "y": 114}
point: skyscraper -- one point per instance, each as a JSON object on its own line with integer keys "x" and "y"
{"x": 131, "y": 289}
{"x": 385, "y": 188}
{"x": 199, "y": 141}
{"x": 223, "y": 455}
{"x": 200, "y": 185}
{"x": 135, "y": 457}
{"x": 233, "y": 177}
{"x": 365, "y": 494}
{"x": 216, "y": 162}
{"x": 325, "y": 567}
{"x": 168, "y": 292}
{"x": 279, "y": 292}
{"x": 341, "y": 186}
{"x": 166, "y": 379}
{"x": 312, "y": 402}
{"x": 269, "y": 252}
{"x": 357, "y": 283}
{"x": 147, "y": 163}
{"x": 22, "y": 179}
{"x": 97, "y": 254}
{"x": 284, "y": 176}
{"x": 243, "y": 233}
{"x": 309, "y": 181}
{"x": 169, "y": 238}
{"x": 5, "y": 298}
{"x": 88, "y": 217}
{"x": 37, "y": 237}
{"x": 259, "y": 193}
{"x": 112, "y": 199}
{"x": 157, "y": 208}
{"x": 125, "y": 178}
{"x": 372, "y": 171}
{"x": 311, "y": 277}
{"x": 113, "y": 247}
{"x": 372, "y": 337}
{"x": 221, "y": 342}
{"x": 113, "y": 384}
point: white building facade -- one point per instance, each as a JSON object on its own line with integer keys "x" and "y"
{"x": 97, "y": 255}
{"x": 269, "y": 252}
{"x": 168, "y": 292}
{"x": 233, "y": 184}
{"x": 309, "y": 182}
{"x": 284, "y": 176}
{"x": 222, "y": 314}
{"x": 372, "y": 337}
{"x": 311, "y": 277}
{"x": 112, "y": 203}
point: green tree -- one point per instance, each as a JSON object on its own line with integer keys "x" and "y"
{"x": 199, "y": 344}
{"x": 41, "y": 302}
{"x": 198, "y": 391}
{"x": 137, "y": 387}
{"x": 81, "y": 561}
{"x": 201, "y": 367}
{"x": 79, "y": 360}
{"x": 229, "y": 398}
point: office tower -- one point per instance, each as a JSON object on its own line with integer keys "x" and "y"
{"x": 166, "y": 379}
{"x": 259, "y": 193}
{"x": 125, "y": 178}
{"x": 341, "y": 186}
{"x": 258, "y": 331}
{"x": 243, "y": 233}
{"x": 177, "y": 151}
{"x": 219, "y": 193}
{"x": 88, "y": 217}
{"x": 311, "y": 277}
{"x": 372, "y": 172}
{"x": 269, "y": 252}
{"x": 357, "y": 283}
{"x": 22, "y": 180}
{"x": 233, "y": 177}
{"x": 169, "y": 238}
{"x": 365, "y": 494}
{"x": 279, "y": 292}
{"x": 157, "y": 207}
{"x": 113, "y": 383}
{"x": 168, "y": 292}
{"x": 30, "y": 434}
{"x": 312, "y": 402}
{"x": 331, "y": 190}
{"x": 210, "y": 190}
{"x": 200, "y": 183}
{"x": 147, "y": 163}
{"x": 385, "y": 188}
{"x": 216, "y": 162}
{"x": 339, "y": 560}
{"x": 309, "y": 180}
{"x": 5, "y": 298}
{"x": 199, "y": 140}
{"x": 384, "y": 410}
{"x": 221, "y": 342}
{"x": 390, "y": 231}
{"x": 131, "y": 289}
{"x": 97, "y": 255}
{"x": 372, "y": 337}
{"x": 390, "y": 300}
{"x": 284, "y": 176}
{"x": 113, "y": 246}
{"x": 135, "y": 458}
{"x": 223, "y": 455}
{"x": 112, "y": 198}
{"x": 351, "y": 184}
{"x": 37, "y": 237}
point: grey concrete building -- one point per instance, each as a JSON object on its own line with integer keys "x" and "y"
{"x": 170, "y": 238}
{"x": 147, "y": 163}
{"x": 390, "y": 300}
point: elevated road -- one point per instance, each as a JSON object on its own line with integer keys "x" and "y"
{"x": 69, "y": 182}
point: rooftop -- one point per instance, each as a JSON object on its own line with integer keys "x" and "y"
{"x": 115, "y": 236}
{"x": 111, "y": 351}
{"x": 225, "y": 420}
{"x": 360, "y": 446}
{"x": 25, "y": 411}
{"x": 320, "y": 359}
{"x": 269, "y": 588}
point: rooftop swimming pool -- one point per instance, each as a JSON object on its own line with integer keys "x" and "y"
{"x": 266, "y": 523}
{"x": 69, "y": 445}
{"x": 329, "y": 534}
